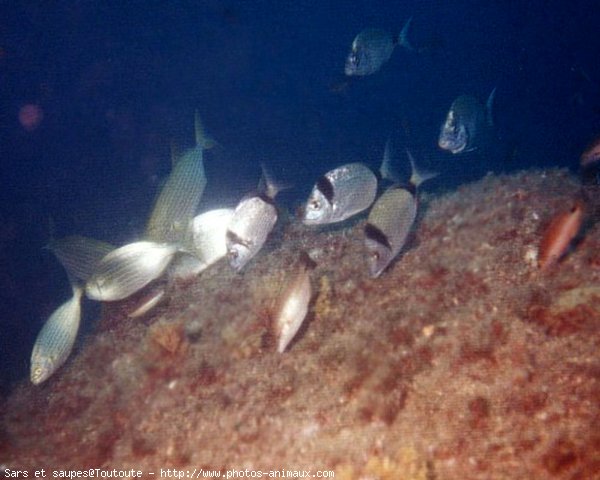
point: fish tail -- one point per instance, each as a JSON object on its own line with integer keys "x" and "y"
{"x": 489, "y": 107}
{"x": 403, "y": 37}
{"x": 386, "y": 170}
{"x": 202, "y": 138}
{"x": 268, "y": 184}
{"x": 77, "y": 288}
{"x": 418, "y": 176}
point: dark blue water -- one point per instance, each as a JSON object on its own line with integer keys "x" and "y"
{"x": 116, "y": 82}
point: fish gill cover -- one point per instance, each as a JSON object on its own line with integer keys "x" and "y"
{"x": 462, "y": 359}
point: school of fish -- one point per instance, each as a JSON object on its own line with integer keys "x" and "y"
{"x": 178, "y": 243}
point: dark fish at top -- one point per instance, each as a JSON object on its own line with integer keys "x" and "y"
{"x": 372, "y": 48}
{"x": 340, "y": 194}
{"x": 467, "y": 124}
{"x": 250, "y": 225}
{"x": 391, "y": 220}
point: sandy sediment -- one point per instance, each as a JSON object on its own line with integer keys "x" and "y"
{"x": 463, "y": 360}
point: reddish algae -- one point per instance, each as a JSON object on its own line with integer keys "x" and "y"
{"x": 463, "y": 360}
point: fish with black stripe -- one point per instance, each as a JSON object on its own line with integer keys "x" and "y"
{"x": 391, "y": 219}
{"x": 340, "y": 194}
{"x": 253, "y": 219}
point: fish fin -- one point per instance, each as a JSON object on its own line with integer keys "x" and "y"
{"x": 386, "y": 169}
{"x": 417, "y": 176}
{"x": 77, "y": 288}
{"x": 268, "y": 184}
{"x": 489, "y": 108}
{"x": 202, "y": 138}
{"x": 403, "y": 37}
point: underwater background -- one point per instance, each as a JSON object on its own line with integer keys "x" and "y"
{"x": 93, "y": 95}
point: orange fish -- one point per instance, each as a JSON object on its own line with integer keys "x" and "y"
{"x": 558, "y": 236}
{"x": 591, "y": 154}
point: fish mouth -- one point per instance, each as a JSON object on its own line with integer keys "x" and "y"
{"x": 309, "y": 217}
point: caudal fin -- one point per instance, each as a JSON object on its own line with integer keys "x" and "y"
{"x": 489, "y": 107}
{"x": 202, "y": 138}
{"x": 418, "y": 176}
{"x": 403, "y": 37}
{"x": 386, "y": 170}
{"x": 268, "y": 184}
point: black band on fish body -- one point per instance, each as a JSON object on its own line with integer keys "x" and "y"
{"x": 410, "y": 188}
{"x": 325, "y": 186}
{"x": 373, "y": 233}
{"x": 265, "y": 198}
{"x": 234, "y": 238}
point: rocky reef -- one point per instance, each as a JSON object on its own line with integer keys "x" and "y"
{"x": 463, "y": 360}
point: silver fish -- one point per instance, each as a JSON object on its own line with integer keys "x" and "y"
{"x": 251, "y": 222}
{"x": 467, "y": 124}
{"x": 340, "y": 194}
{"x": 128, "y": 269}
{"x": 56, "y": 339}
{"x": 390, "y": 221}
{"x": 179, "y": 197}
{"x": 79, "y": 255}
{"x": 372, "y": 48}
{"x": 292, "y": 308}
{"x": 209, "y": 231}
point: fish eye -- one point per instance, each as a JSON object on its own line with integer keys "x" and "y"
{"x": 233, "y": 254}
{"x": 354, "y": 59}
{"x": 314, "y": 204}
{"x": 375, "y": 256}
